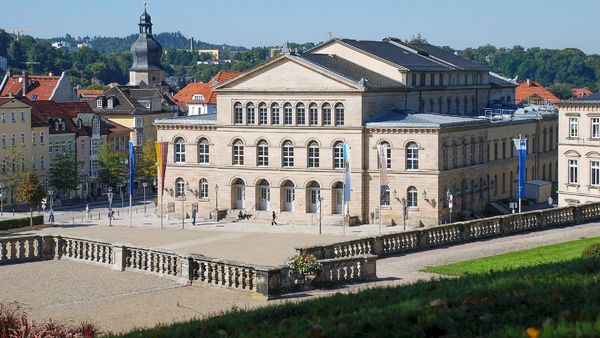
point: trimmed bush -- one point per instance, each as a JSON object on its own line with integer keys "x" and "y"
{"x": 20, "y": 222}
{"x": 593, "y": 250}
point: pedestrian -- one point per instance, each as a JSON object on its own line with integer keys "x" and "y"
{"x": 274, "y": 222}
{"x": 193, "y": 216}
{"x": 87, "y": 211}
{"x": 51, "y": 217}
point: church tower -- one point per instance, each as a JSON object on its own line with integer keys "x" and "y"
{"x": 146, "y": 53}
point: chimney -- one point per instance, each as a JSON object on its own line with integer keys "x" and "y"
{"x": 50, "y": 74}
{"x": 191, "y": 44}
{"x": 24, "y": 84}
{"x": 528, "y": 83}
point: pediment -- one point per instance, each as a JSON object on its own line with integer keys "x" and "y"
{"x": 593, "y": 154}
{"x": 572, "y": 153}
{"x": 288, "y": 74}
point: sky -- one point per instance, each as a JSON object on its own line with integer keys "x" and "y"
{"x": 456, "y": 23}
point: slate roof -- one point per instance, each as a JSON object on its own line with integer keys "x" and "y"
{"x": 125, "y": 100}
{"x": 416, "y": 57}
{"x": 496, "y": 80}
{"x": 351, "y": 70}
{"x": 593, "y": 97}
{"x": 210, "y": 118}
{"x": 398, "y": 118}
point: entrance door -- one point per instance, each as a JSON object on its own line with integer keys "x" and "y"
{"x": 314, "y": 200}
{"x": 338, "y": 196}
{"x": 264, "y": 197}
{"x": 240, "y": 196}
{"x": 288, "y": 199}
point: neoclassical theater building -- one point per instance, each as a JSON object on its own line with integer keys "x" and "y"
{"x": 275, "y": 143}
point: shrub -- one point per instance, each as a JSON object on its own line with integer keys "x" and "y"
{"x": 593, "y": 250}
{"x": 14, "y": 323}
{"x": 304, "y": 263}
{"x": 20, "y": 222}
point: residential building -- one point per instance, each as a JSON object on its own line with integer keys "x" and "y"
{"x": 275, "y": 142}
{"x": 580, "y": 92}
{"x": 198, "y": 98}
{"x": 533, "y": 93}
{"x": 579, "y": 150}
{"x": 23, "y": 145}
{"x": 34, "y": 87}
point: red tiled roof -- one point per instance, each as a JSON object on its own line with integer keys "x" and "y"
{"x": 225, "y": 75}
{"x": 526, "y": 89}
{"x": 40, "y": 86}
{"x": 580, "y": 92}
{"x": 43, "y": 110}
{"x": 89, "y": 92}
{"x": 186, "y": 94}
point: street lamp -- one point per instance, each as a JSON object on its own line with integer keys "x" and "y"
{"x": 187, "y": 186}
{"x": 110, "y": 195}
{"x": 1, "y": 199}
{"x": 145, "y": 185}
{"x": 217, "y": 198}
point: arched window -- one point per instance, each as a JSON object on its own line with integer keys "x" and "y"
{"x": 388, "y": 150}
{"x": 203, "y": 188}
{"x": 287, "y": 155}
{"x": 449, "y": 105}
{"x": 179, "y": 150}
{"x": 179, "y": 187}
{"x": 456, "y": 105}
{"x": 338, "y": 156}
{"x": 551, "y": 138}
{"x": 411, "y": 197}
{"x": 313, "y": 111}
{"x": 300, "y": 114}
{"x": 274, "y": 114}
{"x": 238, "y": 152}
{"x": 263, "y": 114}
{"x": 440, "y": 105}
{"x": 203, "y": 151}
{"x": 473, "y": 104}
{"x": 96, "y": 126}
{"x": 313, "y": 154}
{"x": 503, "y": 183}
{"x": 262, "y": 153}
{"x": 544, "y": 140}
{"x": 385, "y": 196}
{"x": 250, "y": 115}
{"x": 287, "y": 114}
{"x": 339, "y": 114}
{"x": 412, "y": 156}
{"x": 326, "y": 114}
{"x": 238, "y": 113}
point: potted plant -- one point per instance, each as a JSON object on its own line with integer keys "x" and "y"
{"x": 305, "y": 267}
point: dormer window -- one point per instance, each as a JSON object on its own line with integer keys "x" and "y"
{"x": 198, "y": 97}
{"x": 110, "y": 103}
{"x": 99, "y": 102}
{"x": 148, "y": 105}
{"x": 79, "y": 124}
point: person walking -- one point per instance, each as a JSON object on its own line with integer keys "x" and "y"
{"x": 273, "y": 221}
{"x": 87, "y": 212}
{"x": 193, "y": 216}
{"x": 51, "y": 217}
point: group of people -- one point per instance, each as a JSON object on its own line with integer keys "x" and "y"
{"x": 243, "y": 215}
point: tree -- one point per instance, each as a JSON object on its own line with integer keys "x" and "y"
{"x": 30, "y": 191}
{"x": 146, "y": 165}
{"x": 113, "y": 168}
{"x": 562, "y": 90}
{"x": 63, "y": 172}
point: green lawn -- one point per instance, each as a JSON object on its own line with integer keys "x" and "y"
{"x": 512, "y": 260}
{"x": 557, "y": 299}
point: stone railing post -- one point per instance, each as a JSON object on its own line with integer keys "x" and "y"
{"x": 540, "y": 219}
{"x": 119, "y": 257}
{"x": 577, "y": 213}
{"x": 268, "y": 282}
{"x": 59, "y": 244}
{"x": 370, "y": 264}
{"x": 186, "y": 267}
{"x": 47, "y": 248}
{"x": 377, "y": 245}
{"x": 423, "y": 238}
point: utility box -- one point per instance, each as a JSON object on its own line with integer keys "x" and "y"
{"x": 538, "y": 191}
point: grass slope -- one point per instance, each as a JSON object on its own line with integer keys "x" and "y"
{"x": 544, "y": 254}
{"x": 558, "y": 299}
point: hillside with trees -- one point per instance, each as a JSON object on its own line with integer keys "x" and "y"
{"x": 109, "y": 60}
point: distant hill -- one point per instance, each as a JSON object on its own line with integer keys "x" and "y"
{"x": 169, "y": 40}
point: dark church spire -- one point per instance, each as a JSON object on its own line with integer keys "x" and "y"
{"x": 146, "y": 53}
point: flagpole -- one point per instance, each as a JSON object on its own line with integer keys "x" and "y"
{"x": 520, "y": 168}
{"x": 130, "y": 213}
{"x": 379, "y": 209}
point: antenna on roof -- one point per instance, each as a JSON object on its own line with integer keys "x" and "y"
{"x": 145, "y": 3}
{"x": 330, "y": 35}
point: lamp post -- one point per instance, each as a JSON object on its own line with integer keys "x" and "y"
{"x": 217, "y": 198}
{"x": 187, "y": 186}
{"x": 1, "y": 199}
{"x": 450, "y": 202}
{"x": 110, "y": 195}
{"x": 404, "y": 212}
{"x": 145, "y": 185}
{"x": 320, "y": 212}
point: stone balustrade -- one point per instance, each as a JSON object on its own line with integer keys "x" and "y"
{"x": 78, "y": 249}
{"x": 354, "y": 269}
{"x": 21, "y": 249}
{"x": 459, "y": 232}
{"x": 152, "y": 261}
{"x": 223, "y": 273}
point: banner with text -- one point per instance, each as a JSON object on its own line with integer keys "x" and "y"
{"x": 521, "y": 146}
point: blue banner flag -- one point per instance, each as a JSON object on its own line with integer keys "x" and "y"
{"x": 346, "y": 151}
{"x": 521, "y": 146}
{"x": 131, "y": 167}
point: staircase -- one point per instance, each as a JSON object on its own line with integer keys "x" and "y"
{"x": 500, "y": 208}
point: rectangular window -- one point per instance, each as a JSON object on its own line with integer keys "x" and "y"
{"x": 573, "y": 168}
{"x": 33, "y": 138}
{"x": 139, "y": 139}
{"x": 595, "y": 172}
{"x": 250, "y": 115}
{"x": 573, "y": 127}
{"x": 50, "y": 147}
{"x": 110, "y": 103}
{"x": 263, "y": 155}
{"x": 238, "y": 115}
{"x": 22, "y": 138}
{"x": 275, "y": 115}
{"x": 42, "y": 138}
{"x": 596, "y": 127}
{"x": 326, "y": 115}
{"x": 503, "y": 149}
{"x": 33, "y": 163}
{"x": 13, "y": 117}
{"x": 313, "y": 112}
{"x": 3, "y": 140}
{"x": 287, "y": 115}
{"x": 313, "y": 155}
{"x": 22, "y": 116}
{"x": 42, "y": 165}
{"x": 99, "y": 103}
{"x": 3, "y": 117}
{"x": 139, "y": 122}
{"x": 263, "y": 115}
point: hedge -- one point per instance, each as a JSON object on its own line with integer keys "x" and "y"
{"x": 15, "y": 223}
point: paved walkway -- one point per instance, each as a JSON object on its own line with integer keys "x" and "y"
{"x": 119, "y": 301}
